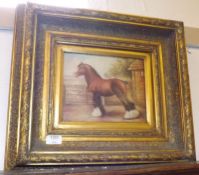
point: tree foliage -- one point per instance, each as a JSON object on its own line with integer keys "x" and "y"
{"x": 120, "y": 69}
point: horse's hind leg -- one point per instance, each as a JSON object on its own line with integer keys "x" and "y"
{"x": 124, "y": 100}
{"x": 131, "y": 111}
{"x": 98, "y": 106}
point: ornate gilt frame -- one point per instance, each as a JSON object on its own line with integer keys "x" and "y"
{"x": 42, "y": 35}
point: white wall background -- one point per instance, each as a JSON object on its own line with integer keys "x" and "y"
{"x": 5, "y": 62}
{"x": 193, "y": 63}
{"x": 182, "y": 10}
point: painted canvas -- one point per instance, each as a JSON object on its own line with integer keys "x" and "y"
{"x": 103, "y": 88}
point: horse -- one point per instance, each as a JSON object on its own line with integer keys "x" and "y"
{"x": 101, "y": 87}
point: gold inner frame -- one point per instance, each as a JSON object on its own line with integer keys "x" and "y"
{"x": 59, "y": 61}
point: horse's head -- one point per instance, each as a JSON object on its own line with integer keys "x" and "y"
{"x": 81, "y": 69}
{"x": 86, "y": 70}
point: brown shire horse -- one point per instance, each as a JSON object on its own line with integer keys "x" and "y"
{"x": 106, "y": 87}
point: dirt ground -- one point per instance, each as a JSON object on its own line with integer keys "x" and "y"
{"x": 83, "y": 113}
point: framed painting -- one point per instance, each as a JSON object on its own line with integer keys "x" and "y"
{"x": 90, "y": 87}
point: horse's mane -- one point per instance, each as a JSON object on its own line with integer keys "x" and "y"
{"x": 90, "y": 67}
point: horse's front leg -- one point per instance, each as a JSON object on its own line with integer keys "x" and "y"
{"x": 98, "y": 110}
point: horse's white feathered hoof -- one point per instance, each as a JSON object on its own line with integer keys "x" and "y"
{"x": 96, "y": 113}
{"x": 131, "y": 114}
